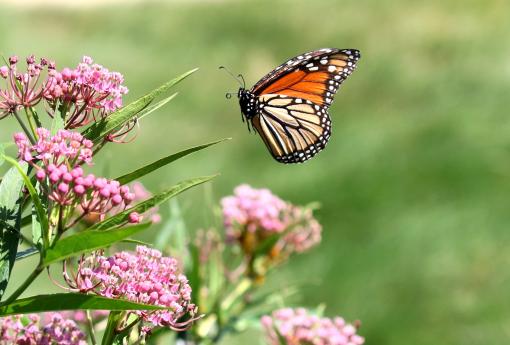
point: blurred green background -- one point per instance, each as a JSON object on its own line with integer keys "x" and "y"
{"x": 414, "y": 184}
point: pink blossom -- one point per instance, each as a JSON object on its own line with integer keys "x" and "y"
{"x": 140, "y": 193}
{"x": 57, "y": 162}
{"x": 145, "y": 276}
{"x": 252, "y": 215}
{"x": 90, "y": 92}
{"x": 300, "y": 327}
{"x": 26, "y": 330}
{"x": 23, "y": 89}
{"x": 253, "y": 209}
{"x": 64, "y": 147}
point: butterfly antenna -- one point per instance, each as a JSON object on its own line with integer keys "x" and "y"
{"x": 232, "y": 75}
{"x": 242, "y": 78}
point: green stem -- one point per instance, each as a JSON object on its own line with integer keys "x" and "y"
{"x": 29, "y": 119}
{"x": 111, "y": 326}
{"x": 25, "y": 129}
{"x": 25, "y": 285}
{"x": 241, "y": 288}
{"x": 90, "y": 328}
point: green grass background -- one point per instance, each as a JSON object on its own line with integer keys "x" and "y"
{"x": 414, "y": 184}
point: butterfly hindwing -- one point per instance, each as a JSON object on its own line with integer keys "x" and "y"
{"x": 293, "y": 129}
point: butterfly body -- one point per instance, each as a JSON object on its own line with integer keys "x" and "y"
{"x": 289, "y": 106}
{"x": 248, "y": 102}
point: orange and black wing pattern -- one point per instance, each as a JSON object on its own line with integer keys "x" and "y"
{"x": 314, "y": 76}
{"x": 293, "y": 100}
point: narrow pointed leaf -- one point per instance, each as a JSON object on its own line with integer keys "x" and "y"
{"x": 162, "y": 162}
{"x": 41, "y": 212}
{"x": 153, "y": 107}
{"x": 150, "y": 203}
{"x": 120, "y": 117}
{"x": 10, "y": 215}
{"x": 2, "y": 152}
{"x": 56, "y": 124}
{"x": 37, "y": 229}
{"x": 69, "y": 301}
{"x": 27, "y": 253}
{"x": 88, "y": 241}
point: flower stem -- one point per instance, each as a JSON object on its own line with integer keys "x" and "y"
{"x": 90, "y": 328}
{"x": 25, "y": 129}
{"x": 241, "y": 288}
{"x": 25, "y": 285}
{"x": 29, "y": 119}
{"x": 111, "y": 326}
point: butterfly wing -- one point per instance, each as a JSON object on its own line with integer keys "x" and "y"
{"x": 293, "y": 100}
{"x": 294, "y": 130}
{"x": 314, "y": 76}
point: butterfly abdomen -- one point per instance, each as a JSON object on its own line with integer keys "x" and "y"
{"x": 248, "y": 102}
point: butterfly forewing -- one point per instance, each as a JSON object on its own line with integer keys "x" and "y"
{"x": 314, "y": 76}
{"x": 293, "y": 129}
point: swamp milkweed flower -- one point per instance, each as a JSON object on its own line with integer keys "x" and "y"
{"x": 300, "y": 327}
{"x": 145, "y": 276}
{"x": 57, "y": 161}
{"x": 252, "y": 216}
{"x": 82, "y": 94}
{"x": 26, "y": 329}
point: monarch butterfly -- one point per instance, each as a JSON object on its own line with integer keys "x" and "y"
{"x": 289, "y": 106}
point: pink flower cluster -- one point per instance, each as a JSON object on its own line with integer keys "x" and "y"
{"x": 253, "y": 209}
{"x": 26, "y": 330}
{"x": 83, "y": 93}
{"x": 252, "y": 215}
{"x": 299, "y": 327}
{"x": 60, "y": 173}
{"x": 143, "y": 277}
{"x": 87, "y": 88}
{"x": 23, "y": 89}
{"x": 64, "y": 147}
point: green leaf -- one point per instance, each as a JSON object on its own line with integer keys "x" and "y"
{"x": 172, "y": 236}
{"x": 155, "y": 107}
{"x": 69, "y": 301}
{"x": 2, "y": 152}
{"x": 88, "y": 241}
{"x": 10, "y": 215}
{"x": 41, "y": 212}
{"x": 27, "y": 253}
{"x": 37, "y": 233}
{"x": 56, "y": 124}
{"x": 37, "y": 230}
{"x": 133, "y": 241}
{"x": 162, "y": 162}
{"x": 118, "y": 118}
{"x": 26, "y": 221}
{"x": 150, "y": 203}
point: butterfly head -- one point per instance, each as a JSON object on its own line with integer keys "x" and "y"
{"x": 248, "y": 103}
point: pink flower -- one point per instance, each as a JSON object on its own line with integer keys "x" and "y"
{"x": 143, "y": 277}
{"x": 64, "y": 147}
{"x": 57, "y": 162}
{"x": 90, "y": 92}
{"x": 26, "y": 329}
{"x": 299, "y": 327}
{"x": 253, "y": 209}
{"x": 23, "y": 89}
{"x": 253, "y": 215}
